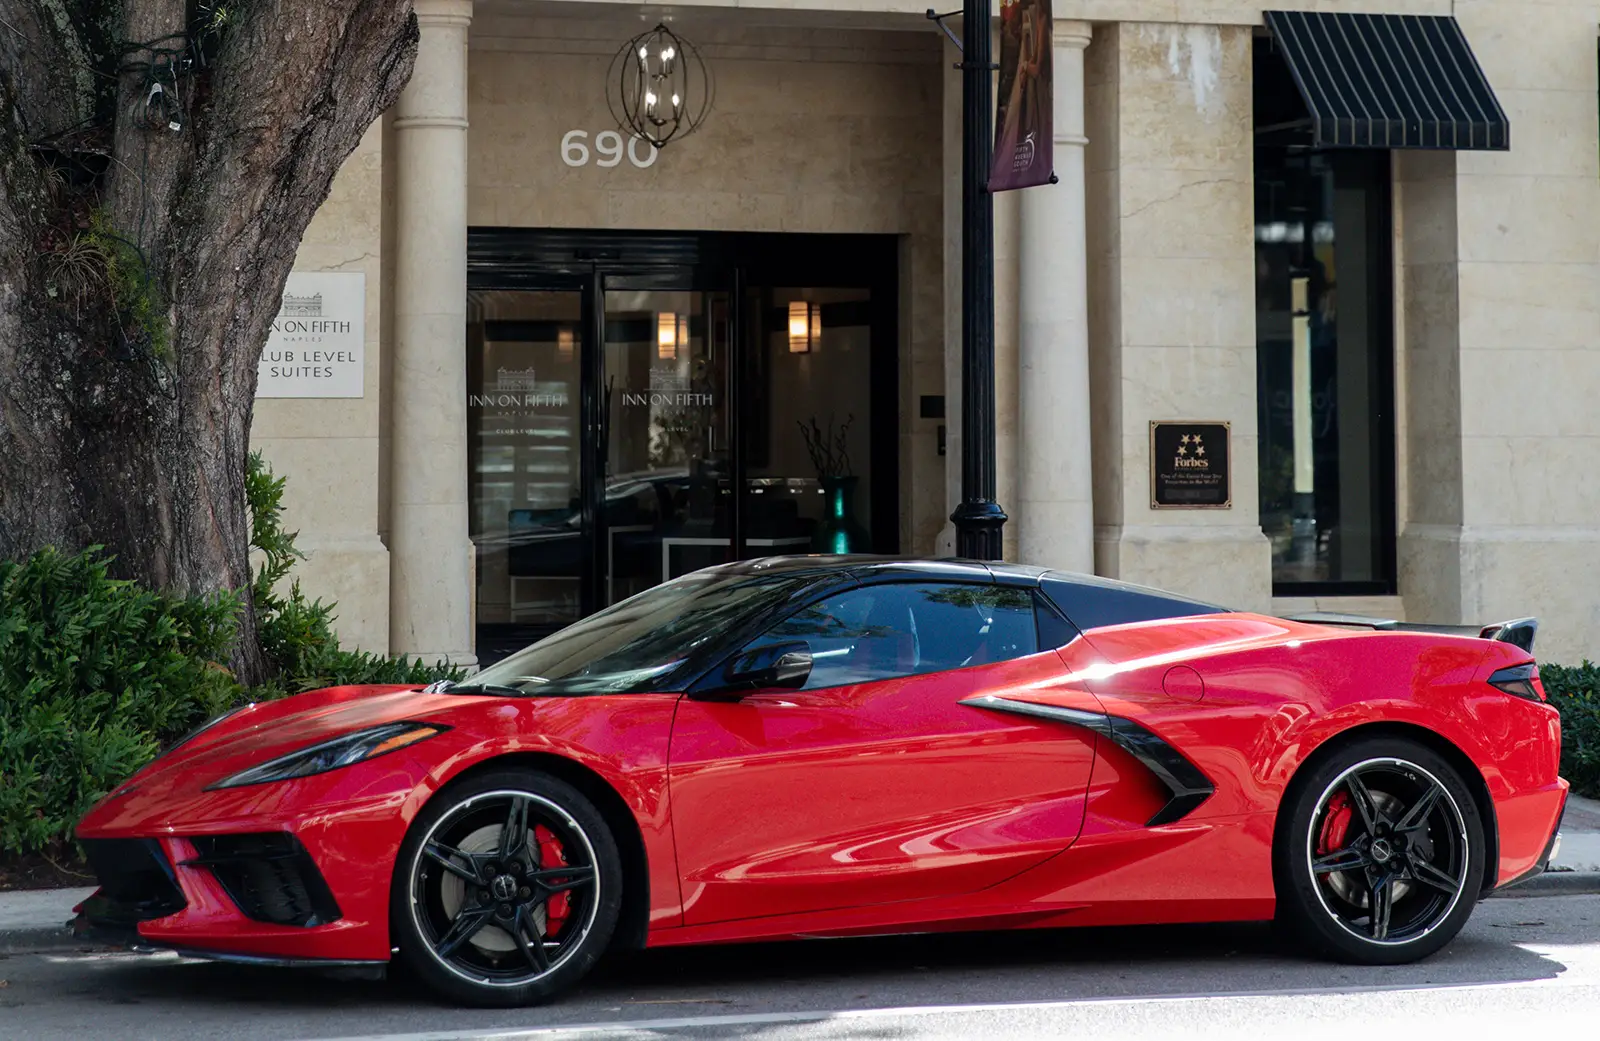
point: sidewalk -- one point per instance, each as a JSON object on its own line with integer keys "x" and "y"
{"x": 1580, "y": 836}
{"x": 36, "y": 919}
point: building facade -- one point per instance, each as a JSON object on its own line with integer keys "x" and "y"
{"x": 577, "y": 364}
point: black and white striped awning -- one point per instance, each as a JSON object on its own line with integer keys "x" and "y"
{"x": 1390, "y": 81}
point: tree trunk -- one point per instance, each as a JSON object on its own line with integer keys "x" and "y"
{"x": 156, "y": 179}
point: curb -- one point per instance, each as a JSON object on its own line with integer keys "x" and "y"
{"x": 1554, "y": 883}
{"x": 42, "y": 941}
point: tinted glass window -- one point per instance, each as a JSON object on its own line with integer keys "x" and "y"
{"x": 1054, "y": 630}
{"x": 883, "y": 631}
{"x": 641, "y": 643}
{"x": 1324, "y": 351}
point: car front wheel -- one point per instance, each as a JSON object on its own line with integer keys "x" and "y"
{"x": 506, "y": 891}
{"x": 1383, "y": 855}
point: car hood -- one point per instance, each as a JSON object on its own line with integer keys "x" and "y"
{"x": 265, "y": 730}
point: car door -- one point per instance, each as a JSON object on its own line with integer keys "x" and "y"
{"x": 873, "y": 782}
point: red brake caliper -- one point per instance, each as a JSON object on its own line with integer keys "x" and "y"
{"x": 551, "y": 855}
{"x": 1336, "y": 825}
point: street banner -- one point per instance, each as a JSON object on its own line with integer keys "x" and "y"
{"x": 1024, "y": 143}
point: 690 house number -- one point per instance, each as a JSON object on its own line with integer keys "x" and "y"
{"x": 608, "y": 149}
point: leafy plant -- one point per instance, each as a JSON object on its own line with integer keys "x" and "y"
{"x": 1575, "y": 692}
{"x": 131, "y": 286}
{"x": 96, "y": 674}
{"x": 99, "y": 674}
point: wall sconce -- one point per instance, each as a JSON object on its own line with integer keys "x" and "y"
{"x": 666, "y": 336}
{"x": 565, "y": 343}
{"x": 805, "y": 327}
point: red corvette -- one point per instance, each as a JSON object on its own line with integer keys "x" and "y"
{"x": 820, "y": 746}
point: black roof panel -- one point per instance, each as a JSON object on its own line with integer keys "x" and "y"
{"x": 1087, "y": 601}
{"x": 1091, "y": 602}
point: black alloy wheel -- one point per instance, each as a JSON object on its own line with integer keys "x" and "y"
{"x": 506, "y": 891}
{"x": 1383, "y": 855}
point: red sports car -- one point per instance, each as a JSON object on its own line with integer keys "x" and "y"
{"x": 828, "y": 746}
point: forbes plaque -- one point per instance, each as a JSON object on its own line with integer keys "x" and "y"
{"x": 1189, "y": 466}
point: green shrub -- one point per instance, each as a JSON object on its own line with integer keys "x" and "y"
{"x": 96, "y": 674}
{"x": 1576, "y": 693}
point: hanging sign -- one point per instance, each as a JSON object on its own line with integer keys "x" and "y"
{"x": 317, "y": 345}
{"x": 1189, "y": 466}
{"x": 1024, "y": 136}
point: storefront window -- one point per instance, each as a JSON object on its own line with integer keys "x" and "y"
{"x": 1324, "y": 350}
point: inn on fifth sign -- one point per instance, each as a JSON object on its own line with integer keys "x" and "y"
{"x": 317, "y": 346}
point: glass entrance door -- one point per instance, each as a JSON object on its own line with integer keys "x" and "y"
{"x": 668, "y": 488}
{"x": 642, "y": 406}
{"x": 524, "y": 353}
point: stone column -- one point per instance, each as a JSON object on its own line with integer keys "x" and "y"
{"x": 1054, "y": 487}
{"x": 429, "y": 551}
{"x": 1173, "y": 298}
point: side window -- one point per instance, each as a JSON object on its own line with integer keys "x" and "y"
{"x": 1054, "y": 629}
{"x": 881, "y": 632}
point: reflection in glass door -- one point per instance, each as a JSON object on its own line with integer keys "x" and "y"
{"x": 524, "y": 353}
{"x": 668, "y": 499}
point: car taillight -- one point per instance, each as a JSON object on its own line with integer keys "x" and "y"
{"x": 1519, "y": 680}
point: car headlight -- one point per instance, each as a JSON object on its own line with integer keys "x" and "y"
{"x": 350, "y": 748}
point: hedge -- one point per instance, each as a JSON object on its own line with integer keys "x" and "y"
{"x": 98, "y": 674}
{"x": 1575, "y": 691}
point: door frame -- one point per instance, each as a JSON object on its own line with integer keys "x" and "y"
{"x": 591, "y": 262}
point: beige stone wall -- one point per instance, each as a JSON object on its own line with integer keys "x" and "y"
{"x": 327, "y": 449}
{"x": 1172, "y": 297}
{"x": 812, "y": 131}
{"x": 1502, "y": 262}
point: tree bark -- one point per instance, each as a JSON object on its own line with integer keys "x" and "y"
{"x": 150, "y": 213}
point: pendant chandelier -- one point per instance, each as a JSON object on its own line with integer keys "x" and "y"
{"x": 659, "y": 88}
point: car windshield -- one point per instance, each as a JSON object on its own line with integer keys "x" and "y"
{"x": 639, "y": 644}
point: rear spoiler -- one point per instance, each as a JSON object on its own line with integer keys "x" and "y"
{"x": 1519, "y": 632}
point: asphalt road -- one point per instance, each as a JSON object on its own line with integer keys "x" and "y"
{"x": 1523, "y": 967}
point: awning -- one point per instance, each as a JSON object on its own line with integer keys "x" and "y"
{"x": 1390, "y": 81}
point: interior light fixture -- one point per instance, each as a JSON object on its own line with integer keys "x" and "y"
{"x": 666, "y": 336}
{"x": 805, "y": 326}
{"x": 565, "y": 343}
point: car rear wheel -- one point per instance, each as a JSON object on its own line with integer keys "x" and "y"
{"x": 1382, "y": 857}
{"x": 506, "y": 891}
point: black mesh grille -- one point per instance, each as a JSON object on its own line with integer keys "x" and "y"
{"x": 136, "y": 882}
{"x": 270, "y": 877}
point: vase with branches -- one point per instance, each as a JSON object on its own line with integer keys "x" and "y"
{"x": 829, "y": 450}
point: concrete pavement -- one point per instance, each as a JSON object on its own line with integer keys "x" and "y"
{"x": 1520, "y": 968}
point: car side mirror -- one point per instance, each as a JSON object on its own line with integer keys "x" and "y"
{"x": 776, "y": 666}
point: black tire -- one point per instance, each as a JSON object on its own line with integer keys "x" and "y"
{"x": 1412, "y": 848}
{"x": 465, "y": 913}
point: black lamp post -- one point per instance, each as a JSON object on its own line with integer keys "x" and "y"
{"x": 979, "y": 518}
